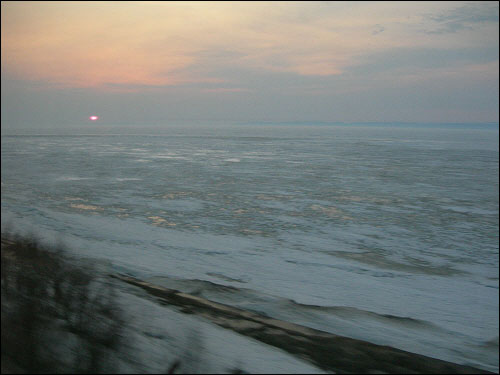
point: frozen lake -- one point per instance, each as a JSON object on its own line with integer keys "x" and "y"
{"x": 386, "y": 234}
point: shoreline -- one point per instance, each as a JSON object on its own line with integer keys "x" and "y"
{"x": 328, "y": 351}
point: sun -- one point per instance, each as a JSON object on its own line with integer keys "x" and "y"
{"x": 94, "y": 118}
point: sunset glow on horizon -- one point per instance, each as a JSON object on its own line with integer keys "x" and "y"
{"x": 94, "y": 118}
{"x": 279, "y": 60}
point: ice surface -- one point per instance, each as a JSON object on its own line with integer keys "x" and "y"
{"x": 387, "y": 221}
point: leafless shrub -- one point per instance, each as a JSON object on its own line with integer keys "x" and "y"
{"x": 61, "y": 318}
{"x": 43, "y": 297}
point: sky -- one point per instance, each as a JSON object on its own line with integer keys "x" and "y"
{"x": 161, "y": 62}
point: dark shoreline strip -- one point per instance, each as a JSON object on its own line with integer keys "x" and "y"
{"x": 327, "y": 351}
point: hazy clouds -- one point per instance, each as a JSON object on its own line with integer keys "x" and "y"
{"x": 329, "y": 61}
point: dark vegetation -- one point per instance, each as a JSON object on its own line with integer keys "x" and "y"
{"x": 58, "y": 317}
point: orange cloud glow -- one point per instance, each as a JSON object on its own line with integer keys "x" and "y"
{"x": 113, "y": 44}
